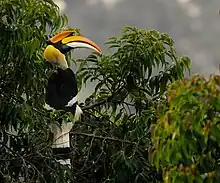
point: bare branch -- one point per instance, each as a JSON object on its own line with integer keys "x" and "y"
{"x": 100, "y": 137}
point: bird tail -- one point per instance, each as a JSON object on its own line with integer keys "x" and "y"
{"x": 61, "y": 133}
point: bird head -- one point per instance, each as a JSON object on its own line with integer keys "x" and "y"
{"x": 63, "y": 42}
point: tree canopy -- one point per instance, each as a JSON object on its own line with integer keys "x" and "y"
{"x": 112, "y": 142}
{"x": 117, "y": 116}
{"x": 186, "y": 136}
{"x": 24, "y": 29}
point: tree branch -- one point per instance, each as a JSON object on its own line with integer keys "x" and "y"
{"x": 103, "y": 138}
{"x": 96, "y": 104}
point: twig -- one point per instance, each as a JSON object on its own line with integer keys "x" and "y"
{"x": 100, "y": 137}
{"x": 22, "y": 101}
{"x": 96, "y": 104}
{"x": 22, "y": 158}
{"x": 94, "y": 162}
{"x": 35, "y": 168}
{"x": 87, "y": 159}
{"x": 102, "y": 101}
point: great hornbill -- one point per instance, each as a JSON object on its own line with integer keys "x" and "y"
{"x": 61, "y": 91}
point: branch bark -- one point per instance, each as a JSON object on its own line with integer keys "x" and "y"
{"x": 101, "y": 137}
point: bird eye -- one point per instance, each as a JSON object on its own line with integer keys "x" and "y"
{"x": 48, "y": 42}
{"x": 72, "y": 34}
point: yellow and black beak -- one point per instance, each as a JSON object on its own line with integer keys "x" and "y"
{"x": 64, "y": 42}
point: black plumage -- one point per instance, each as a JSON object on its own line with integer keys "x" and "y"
{"x": 61, "y": 88}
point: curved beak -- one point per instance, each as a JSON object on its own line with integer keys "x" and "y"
{"x": 81, "y": 42}
{"x": 58, "y": 37}
{"x": 63, "y": 42}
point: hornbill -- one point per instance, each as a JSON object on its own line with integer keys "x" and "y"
{"x": 61, "y": 91}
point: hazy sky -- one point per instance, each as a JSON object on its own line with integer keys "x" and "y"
{"x": 193, "y": 24}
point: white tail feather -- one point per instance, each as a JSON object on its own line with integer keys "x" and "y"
{"x": 64, "y": 162}
{"x": 61, "y": 133}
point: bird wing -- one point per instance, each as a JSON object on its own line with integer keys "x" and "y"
{"x": 61, "y": 88}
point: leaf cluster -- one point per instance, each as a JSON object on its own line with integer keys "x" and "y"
{"x": 187, "y": 134}
{"x": 25, "y": 151}
{"x": 111, "y": 142}
{"x": 143, "y": 63}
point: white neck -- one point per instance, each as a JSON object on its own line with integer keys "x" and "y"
{"x": 63, "y": 64}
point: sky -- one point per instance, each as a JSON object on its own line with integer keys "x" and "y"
{"x": 194, "y": 25}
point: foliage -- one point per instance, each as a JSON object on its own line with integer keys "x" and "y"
{"x": 187, "y": 135}
{"x": 112, "y": 141}
{"x": 24, "y": 28}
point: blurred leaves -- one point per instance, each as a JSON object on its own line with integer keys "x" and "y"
{"x": 186, "y": 136}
